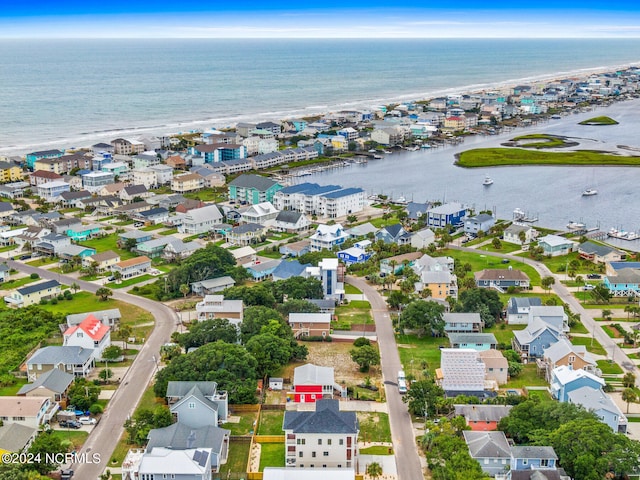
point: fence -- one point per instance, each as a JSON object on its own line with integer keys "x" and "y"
{"x": 244, "y": 408}
{"x": 269, "y": 438}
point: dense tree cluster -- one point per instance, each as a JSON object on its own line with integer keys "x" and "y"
{"x": 145, "y": 420}
{"x": 587, "y": 448}
{"x": 425, "y": 317}
{"x": 482, "y": 300}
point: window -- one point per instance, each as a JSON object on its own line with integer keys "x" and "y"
{"x": 525, "y": 461}
{"x": 300, "y": 454}
{"x": 341, "y": 441}
{"x": 544, "y": 462}
{"x": 319, "y": 441}
{"x": 329, "y": 441}
{"x": 324, "y": 466}
{"x": 313, "y": 454}
{"x": 300, "y": 441}
{"x": 325, "y": 454}
{"x": 192, "y": 405}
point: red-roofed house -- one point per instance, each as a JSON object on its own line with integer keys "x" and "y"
{"x": 311, "y": 383}
{"x": 90, "y": 333}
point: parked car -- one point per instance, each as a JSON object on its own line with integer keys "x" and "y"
{"x": 87, "y": 421}
{"x": 25, "y": 257}
{"x": 505, "y": 260}
{"x": 594, "y": 276}
{"x": 588, "y": 287}
{"x": 70, "y": 424}
{"x": 66, "y": 474}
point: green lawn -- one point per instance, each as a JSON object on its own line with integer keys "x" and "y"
{"x": 381, "y": 222}
{"x": 169, "y": 231}
{"x": 528, "y": 377}
{"x": 541, "y": 395}
{"x": 503, "y": 332}
{"x": 272, "y": 455}
{"x": 609, "y": 368}
{"x": 19, "y": 282}
{"x": 129, "y": 282}
{"x": 245, "y": 426}
{"x": 374, "y": 427}
{"x": 151, "y": 228}
{"x": 271, "y": 422}
{"x": 351, "y": 290}
{"x": 13, "y": 389}
{"x": 376, "y": 450}
{"x": 108, "y": 242}
{"x": 594, "y": 347}
{"x": 123, "y": 223}
{"x": 579, "y": 327}
{"x": 77, "y": 437}
{"x": 505, "y": 247}
{"x": 356, "y": 312}
{"x": 237, "y": 460}
{"x": 8, "y": 248}
{"x": 479, "y": 261}
{"x": 418, "y": 354}
{"x": 40, "y": 261}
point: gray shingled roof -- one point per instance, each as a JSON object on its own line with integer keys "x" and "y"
{"x": 326, "y": 419}
{"x": 14, "y": 436}
{"x": 483, "y": 413}
{"x": 288, "y": 216}
{"x": 516, "y": 303}
{"x": 66, "y": 355}
{"x": 180, "y": 389}
{"x": 253, "y": 181}
{"x": 180, "y": 437}
{"x": 38, "y": 287}
{"x": 487, "y": 444}
{"x": 55, "y": 380}
{"x": 533, "y": 452}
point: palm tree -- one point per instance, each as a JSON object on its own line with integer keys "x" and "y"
{"x": 125, "y": 332}
{"x": 629, "y": 395}
{"x": 75, "y": 287}
{"x": 629, "y": 380}
{"x": 185, "y": 289}
{"x": 104, "y": 293}
{"x": 117, "y": 276}
{"x": 606, "y": 314}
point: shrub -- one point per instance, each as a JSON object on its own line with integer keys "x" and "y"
{"x": 361, "y": 341}
{"x": 54, "y": 301}
{"x": 61, "y": 296}
{"x": 43, "y": 301}
{"x": 95, "y": 409}
{"x": 33, "y": 276}
{"x": 316, "y": 338}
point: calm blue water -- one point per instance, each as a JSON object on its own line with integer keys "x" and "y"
{"x": 64, "y": 93}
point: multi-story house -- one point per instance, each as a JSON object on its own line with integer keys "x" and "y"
{"x": 51, "y": 191}
{"x": 103, "y": 260}
{"x": 91, "y": 333}
{"x": 447, "y": 214}
{"x": 94, "y": 181}
{"x": 28, "y": 411}
{"x": 310, "y": 324}
{"x": 462, "y": 322}
{"x": 461, "y": 372}
{"x": 327, "y": 237}
{"x": 501, "y": 279}
{"x": 126, "y": 146}
{"x": 441, "y": 284}
{"x": 519, "y": 234}
{"x": 327, "y": 201}
{"x": 261, "y": 213}
{"x": 478, "y": 223}
{"x": 564, "y": 352}
{"x": 518, "y": 309}
{"x": 220, "y": 152}
{"x": 75, "y": 360}
{"x": 9, "y": 172}
{"x": 33, "y": 157}
{"x": 132, "y": 267}
{"x": 565, "y": 380}
{"x": 253, "y": 189}
{"x": 536, "y": 338}
{"x": 32, "y": 294}
{"x": 324, "y": 438}
{"x": 215, "y": 306}
{"x": 187, "y": 182}
{"x": 246, "y": 234}
{"x": 200, "y": 220}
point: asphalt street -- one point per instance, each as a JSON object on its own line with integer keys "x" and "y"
{"x": 107, "y": 433}
{"x": 408, "y": 462}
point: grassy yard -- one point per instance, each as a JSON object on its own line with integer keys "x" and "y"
{"x": 381, "y": 222}
{"x": 528, "y": 377}
{"x": 479, "y": 261}
{"x": 129, "y": 282}
{"x": 351, "y": 290}
{"x": 356, "y": 312}
{"x": 503, "y": 332}
{"x": 418, "y": 354}
{"x": 376, "y": 450}
{"x": 238, "y": 458}
{"x": 151, "y": 228}
{"x": 19, "y": 282}
{"x": 505, "y": 247}
{"x": 13, "y": 389}
{"x": 271, "y": 422}
{"x": 74, "y": 436}
{"x": 39, "y": 262}
{"x": 374, "y": 427}
{"x": 579, "y": 327}
{"x": 169, "y": 231}
{"x": 245, "y": 426}
{"x": 609, "y": 368}
{"x": 108, "y": 242}
{"x": 272, "y": 455}
{"x": 592, "y": 344}
{"x": 541, "y": 395}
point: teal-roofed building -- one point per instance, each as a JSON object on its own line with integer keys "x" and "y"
{"x": 253, "y": 189}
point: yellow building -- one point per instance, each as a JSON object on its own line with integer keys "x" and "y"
{"x": 32, "y": 294}
{"x": 187, "y": 183}
{"x": 9, "y": 172}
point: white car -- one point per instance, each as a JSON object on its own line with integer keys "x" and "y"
{"x": 87, "y": 421}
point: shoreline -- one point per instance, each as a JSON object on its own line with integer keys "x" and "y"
{"x": 77, "y": 141}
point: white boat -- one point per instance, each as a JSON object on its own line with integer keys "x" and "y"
{"x": 589, "y": 192}
{"x": 487, "y": 181}
{"x": 576, "y": 225}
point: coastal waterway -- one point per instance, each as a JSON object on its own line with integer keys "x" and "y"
{"x": 551, "y": 193}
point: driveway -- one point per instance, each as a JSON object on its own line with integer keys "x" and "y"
{"x": 104, "y": 437}
{"x": 408, "y": 462}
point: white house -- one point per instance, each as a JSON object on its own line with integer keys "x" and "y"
{"x": 328, "y": 236}
{"x": 215, "y": 306}
{"x": 423, "y": 238}
{"x": 200, "y": 220}
{"x": 28, "y": 411}
{"x": 91, "y": 333}
{"x": 261, "y": 213}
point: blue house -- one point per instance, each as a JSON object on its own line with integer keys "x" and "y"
{"x": 447, "y": 214}
{"x": 393, "y": 234}
{"x": 288, "y": 269}
{"x": 533, "y": 340}
{"x": 81, "y": 233}
{"x": 602, "y": 405}
{"x": 625, "y": 283}
{"x": 354, "y": 255}
{"x": 533, "y": 458}
{"x": 33, "y": 157}
{"x": 262, "y": 271}
{"x": 565, "y": 380}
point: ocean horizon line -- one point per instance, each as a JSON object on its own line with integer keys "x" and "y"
{"x": 176, "y": 127}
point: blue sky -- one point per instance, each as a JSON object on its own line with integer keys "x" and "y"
{"x": 331, "y": 18}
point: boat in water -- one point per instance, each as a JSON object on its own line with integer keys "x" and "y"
{"x": 487, "y": 181}
{"x": 589, "y": 192}
{"x": 576, "y": 226}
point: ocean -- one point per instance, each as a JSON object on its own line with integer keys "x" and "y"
{"x": 73, "y": 93}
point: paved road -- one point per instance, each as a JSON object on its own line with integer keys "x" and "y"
{"x": 406, "y": 451}
{"x": 613, "y": 350}
{"x": 107, "y": 433}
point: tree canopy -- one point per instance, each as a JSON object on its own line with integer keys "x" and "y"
{"x": 297, "y": 287}
{"x": 230, "y": 365}
{"x": 423, "y": 316}
{"x": 208, "y": 331}
{"x": 483, "y": 300}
